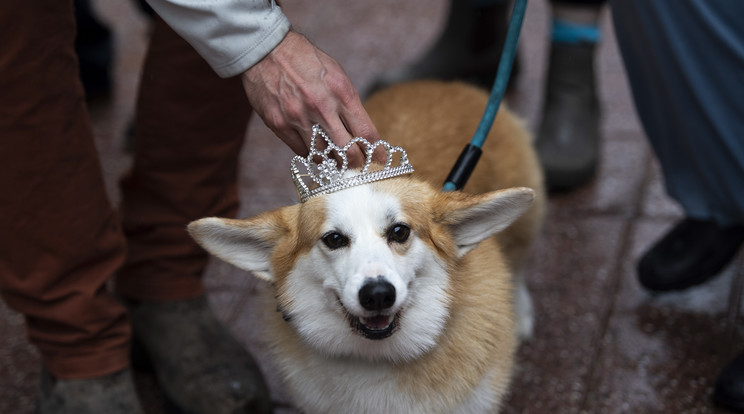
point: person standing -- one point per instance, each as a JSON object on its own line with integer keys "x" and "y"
{"x": 685, "y": 64}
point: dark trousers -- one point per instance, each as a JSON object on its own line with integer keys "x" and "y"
{"x": 685, "y": 64}
{"x": 61, "y": 240}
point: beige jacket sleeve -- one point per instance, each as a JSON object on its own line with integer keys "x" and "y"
{"x": 231, "y": 35}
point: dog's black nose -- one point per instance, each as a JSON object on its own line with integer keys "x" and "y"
{"x": 377, "y": 294}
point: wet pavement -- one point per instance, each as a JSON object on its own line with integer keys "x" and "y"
{"x": 602, "y": 344}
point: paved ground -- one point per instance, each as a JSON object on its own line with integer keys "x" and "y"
{"x": 602, "y": 344}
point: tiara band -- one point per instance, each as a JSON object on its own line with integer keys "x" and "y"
{"x": 329, "y": 178}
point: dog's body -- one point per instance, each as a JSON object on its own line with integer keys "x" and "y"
{"x": 394, "y": 297}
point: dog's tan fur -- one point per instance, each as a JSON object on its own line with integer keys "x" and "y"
{"x": 434, "y": 120}
{"x": 472, "y": 360}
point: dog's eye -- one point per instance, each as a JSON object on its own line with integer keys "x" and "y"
{"x": 335, "y": 240}
{"x": 399, "y": 233}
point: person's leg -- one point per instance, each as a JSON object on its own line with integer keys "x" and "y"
{"x": 189, "y": 128}
{"x": 568, "y": 138}
{"x": 468, "y": 49}
{"x": 61, "y": 238}
{"x": 684, "y": 63}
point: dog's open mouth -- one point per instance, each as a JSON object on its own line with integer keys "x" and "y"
{"x": 375, "y": 327}
{"x": 372, "y": 327}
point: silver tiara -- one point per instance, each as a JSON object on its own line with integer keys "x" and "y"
{"x": 328, "y": 177}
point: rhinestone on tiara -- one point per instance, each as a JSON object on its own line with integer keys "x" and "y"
{"x": 328, "y": 177}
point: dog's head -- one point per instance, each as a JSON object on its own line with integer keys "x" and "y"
{"x": 365, "y": 271}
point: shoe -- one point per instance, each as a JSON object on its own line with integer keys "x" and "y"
{"x": 198, "y": 364}
{"x": 110, "y": 394}
{"x": 469, "y": 48}
{"x": 729, "y": 389}
{"x": 690, "y": 254}
{"x": 568, "y": 137}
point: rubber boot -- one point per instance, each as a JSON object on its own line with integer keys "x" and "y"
{"x": 469, "y": 48}
{"x": 729, "y": 389}
{"x": 568, "y": 138}
{"x": 199, "y": 365}
{"x": 110, "y": 394}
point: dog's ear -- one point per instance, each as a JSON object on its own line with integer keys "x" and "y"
{"x": 474, "y": 218}
{"x": 247, "y": 244}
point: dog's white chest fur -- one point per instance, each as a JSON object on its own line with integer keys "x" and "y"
{"x": 343, "y": 387}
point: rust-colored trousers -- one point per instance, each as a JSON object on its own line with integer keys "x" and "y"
{"x": 60, "y": 238}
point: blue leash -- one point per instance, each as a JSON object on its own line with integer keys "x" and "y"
{"x": 471, "y": 153}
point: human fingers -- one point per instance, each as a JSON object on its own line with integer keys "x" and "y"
{"x": 359, "y": 124}
{"x": 295, "y": 141}
{"x": 344, "y": 115}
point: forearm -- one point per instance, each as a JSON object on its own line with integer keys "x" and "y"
{"x": 231, "y": 35}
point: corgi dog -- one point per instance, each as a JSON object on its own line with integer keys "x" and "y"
{"x": 394, "y": 296}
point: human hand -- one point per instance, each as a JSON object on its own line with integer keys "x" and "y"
{"x": 296, "y": 86}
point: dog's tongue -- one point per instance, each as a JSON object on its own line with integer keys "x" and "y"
{"x": 377, "y": 322}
